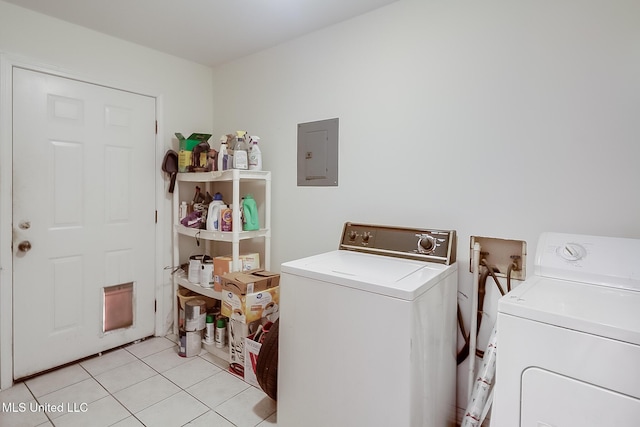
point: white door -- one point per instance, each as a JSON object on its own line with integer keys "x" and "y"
{"x": 83, "y": 218}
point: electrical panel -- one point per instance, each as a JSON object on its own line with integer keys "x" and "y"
{"x": 318, "y": 153}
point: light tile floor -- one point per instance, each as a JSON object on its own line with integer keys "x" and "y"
{"x": 142, "y": 384}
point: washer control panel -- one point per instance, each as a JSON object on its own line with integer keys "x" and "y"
{"x": 414, "y": 243}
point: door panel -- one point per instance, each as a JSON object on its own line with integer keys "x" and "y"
{"x": 83, "y": 197}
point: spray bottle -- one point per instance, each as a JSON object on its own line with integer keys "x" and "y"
{"x": 240, "y": 157}
{"x": 255, "y": 155}
{"x": 223, "y": 156}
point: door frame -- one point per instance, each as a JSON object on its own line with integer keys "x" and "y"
{"x": 7, "y": 63}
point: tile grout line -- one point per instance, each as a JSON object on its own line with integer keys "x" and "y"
{"x": 127, "y": 347}
{"x": 181, "y": 389}
{"x": 110, "y": 394}
{"x": 37, "y": 401}
{"x": 187, "y": 392}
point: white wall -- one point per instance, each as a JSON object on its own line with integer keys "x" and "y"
{"x": 494, "y": 118}
{"x": 78, "y": 52}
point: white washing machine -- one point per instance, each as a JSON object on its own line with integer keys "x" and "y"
{"x": 569, "y": 337}
{"x": 368, "y": 332}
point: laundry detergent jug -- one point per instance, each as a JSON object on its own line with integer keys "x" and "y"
{"x": 250, "y": 213}
{"x": 213, "y": 214}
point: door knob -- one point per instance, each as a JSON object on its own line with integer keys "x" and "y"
{"x": 24, "y": 246}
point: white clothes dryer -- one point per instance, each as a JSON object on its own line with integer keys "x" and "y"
{"x": 568, "y": 351}
{"x": 368, "y": 332}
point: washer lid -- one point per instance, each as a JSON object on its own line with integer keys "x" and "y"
{"x": 598, "y": 310}
{"x": 395, "y": 277}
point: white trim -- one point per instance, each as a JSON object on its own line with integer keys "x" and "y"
{"x": 7, "y": 63}
{"x": 6, "y": 255}
{"x": 161, "y": 314}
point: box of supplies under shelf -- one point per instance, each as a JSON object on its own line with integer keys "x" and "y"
{"x": 247, "y": 282}
{"x": 247, "y": 297}
{"x": 224, "y": 264}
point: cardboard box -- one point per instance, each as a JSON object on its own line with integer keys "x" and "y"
{"x": 188, "y": 144}
{"x": 251, "y": 307}
{"x": 185, "y": 159}
{"x": 243, "y": 283}
{"x": 224, "y": 264}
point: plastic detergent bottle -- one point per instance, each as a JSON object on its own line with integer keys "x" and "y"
{"x": 226, "y": 218}
{"x": 250, "y": 209}
{"x": 240, "y": 155}
{"x": 223, "y": 156}
{"x": 213, "y": 213}
{"x": 255, "y": 155}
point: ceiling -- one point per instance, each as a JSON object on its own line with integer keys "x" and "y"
{"x": 210, "y": 32}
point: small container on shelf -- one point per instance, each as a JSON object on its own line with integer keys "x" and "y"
{"x": 221, "y": 332}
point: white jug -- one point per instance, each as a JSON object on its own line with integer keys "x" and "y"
{"x": 213, "y": 214}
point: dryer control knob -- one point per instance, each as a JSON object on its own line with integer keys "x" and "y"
{"x": 572, "y": 251}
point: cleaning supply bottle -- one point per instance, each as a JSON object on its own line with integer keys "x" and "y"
{"x": 183, "y": 210}
{"x": 213, "y": 213}
{"x": 209, "y": 331}
{"x": 255, "y": 155}
{"x": 240, "y": 152}
{"x": 250, "y": 214}
{"x": 221, "y": 333}
{"x": 226, "y": 218}
{"x": 223, "y": 155}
